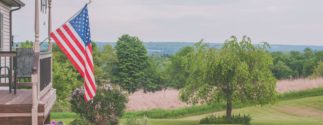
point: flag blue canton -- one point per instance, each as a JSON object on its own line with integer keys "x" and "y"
{"x": 81, "y": 25}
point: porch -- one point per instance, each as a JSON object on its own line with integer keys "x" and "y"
{"x": 16, "y": 96}
{"x": 15, "y": 109}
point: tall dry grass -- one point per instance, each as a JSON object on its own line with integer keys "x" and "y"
{"x": 168, "y": 99}
{"x": 298, "y": 84}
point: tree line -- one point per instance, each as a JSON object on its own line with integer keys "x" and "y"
{"x": 296, "y": 64}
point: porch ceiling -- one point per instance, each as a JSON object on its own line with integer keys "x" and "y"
{"x": 13, "y": 3}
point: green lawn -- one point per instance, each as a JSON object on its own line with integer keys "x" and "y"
{"x": 304, "y": 111}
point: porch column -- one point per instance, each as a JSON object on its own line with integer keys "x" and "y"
{"x": 49, "y": 25}
{"x": 35, "y": 75}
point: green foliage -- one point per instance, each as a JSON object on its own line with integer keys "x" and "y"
{"x": 79, "y": 122}
{"x": 105, "y": 108}
{"x": 26, "y": 44}
{"x": 318, "y": 71}
{"x": 295, "y": 64}
{"x": 63, "y": 115}
{"x": 176, "y": 69}
{"x": 235, "y": 119}
{"x": 153, "y": 76}
{"x": 134, "y": 70}
{"x": 65, "y": 79}
{"x": 282, "y": 71}
{"x": 107, "y": 60}
{"x": 301, "y": 94}
{"x": 132, "y": 61}
{"x": 180, "y": 112}
{"x": 101, "y": 77}
{"x": 61, "y": 106}
{"x": 238, "y": 72}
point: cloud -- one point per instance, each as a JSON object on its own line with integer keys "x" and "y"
{"x": 274, "y": 21}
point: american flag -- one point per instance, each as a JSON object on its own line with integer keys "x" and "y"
{"x": 74, "y": 39}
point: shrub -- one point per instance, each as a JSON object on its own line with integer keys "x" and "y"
{"x": 105, "y": 108}
{"x": 235, "y": 119}
{"x": 80, "y": 122}
{"x": 61, "y": 106}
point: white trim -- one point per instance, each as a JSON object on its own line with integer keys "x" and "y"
{"x": 46, "y": 90}
{"x": 6, "y": 115}
{"x": 45, "y": 55}
{"x": 50, "y": 104}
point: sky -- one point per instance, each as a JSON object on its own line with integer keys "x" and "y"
{"x": 272, "y": 21}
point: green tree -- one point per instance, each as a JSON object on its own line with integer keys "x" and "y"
{"x": 318, "y": 70}
{"x": 133, "y": 69}
{"x": 154, "y": 79}
{"x": 176, "y": 69}
{"x": 108, "y": 60}
{"x": 282, "y": 71}
{"x": 238, "y": 72}
{"x": 65, "y": 79}
{"x": 26, "y": 44}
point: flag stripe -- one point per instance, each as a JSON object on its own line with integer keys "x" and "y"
{"x": 86, "y": 96}
{"x": 87, "y": 88}
{"x": 91, "y": 80}
{"x": 90, "y": 88}
{"x": 74, "y": 44}
{"x": 89, "y": 60}
{"x": 73, "y": 57}
{"x": 70, "y": 46}
{"x": 76, "y": 65}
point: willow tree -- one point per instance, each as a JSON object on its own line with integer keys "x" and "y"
{"x": 238, "y": 72}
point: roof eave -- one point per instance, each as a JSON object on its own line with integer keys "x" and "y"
{"x": 20, "y": 3}
{"x": 13, "y": 3}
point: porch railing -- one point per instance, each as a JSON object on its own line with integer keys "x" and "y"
{"x": 7, "y": 71}
{"x": 45, "y": 69}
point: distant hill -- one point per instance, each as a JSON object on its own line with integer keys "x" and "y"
{"x": 169, "y": 48}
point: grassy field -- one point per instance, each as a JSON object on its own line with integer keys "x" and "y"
{"x": 304, "y": 111}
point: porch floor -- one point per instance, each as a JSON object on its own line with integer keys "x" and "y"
{"x": 16, "y": 108}
{"x": 21, "y": 97}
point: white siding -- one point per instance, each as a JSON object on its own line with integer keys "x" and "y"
{"x": 5, "y": 10}
{"x": 5, "y": 61}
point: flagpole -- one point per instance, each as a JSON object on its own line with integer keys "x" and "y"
{"x": 50, "y": 27}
